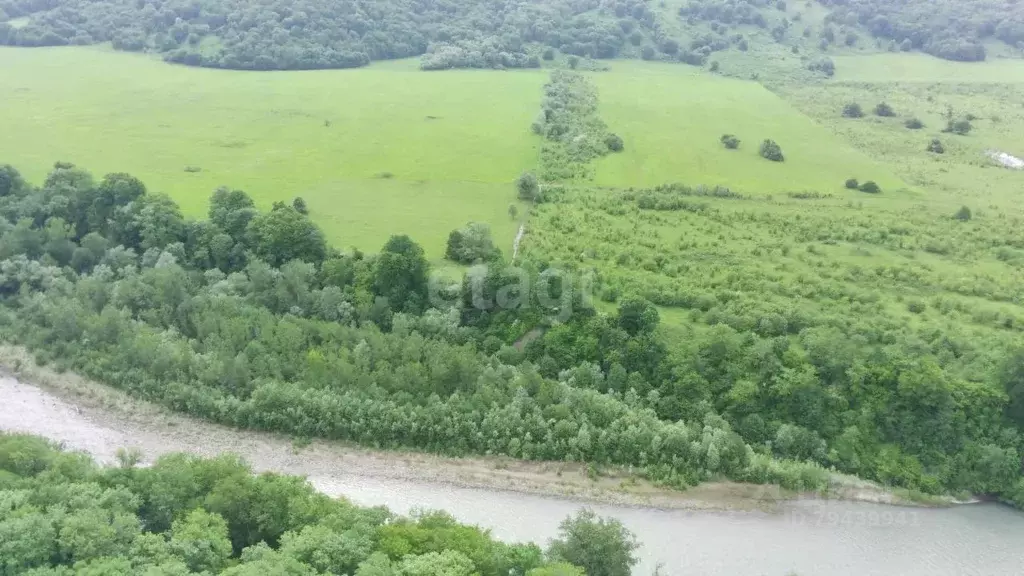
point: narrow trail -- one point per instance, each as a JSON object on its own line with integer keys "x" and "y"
{"x": 515, "y": 243}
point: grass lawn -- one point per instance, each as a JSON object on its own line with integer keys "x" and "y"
{"x": 374, "y": 151}
{"x": 672, "y": 116}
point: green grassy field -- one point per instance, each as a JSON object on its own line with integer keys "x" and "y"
{"x": 929, "y": 88}
{"x": 405, "y": 151}
{"x": 672, "y": 116}
{"x": 916, "y": 67}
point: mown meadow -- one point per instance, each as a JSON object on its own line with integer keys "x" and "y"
{"x": 671, "y": 119}
{"x": 371, "y": 151}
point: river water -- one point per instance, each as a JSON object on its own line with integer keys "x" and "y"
{"x": 809, "y": 538}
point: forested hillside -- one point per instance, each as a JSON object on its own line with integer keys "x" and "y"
{"x": 274, "y": 34}
{"x": 62, "y": 515}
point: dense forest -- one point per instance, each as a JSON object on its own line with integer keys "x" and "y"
{"x": 275, "y": 35}
{"x": 62, "y": 515}
{"x": 249, "y": 319}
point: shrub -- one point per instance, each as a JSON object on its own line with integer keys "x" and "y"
{"x": 549, "y": 54}
{"x": 852, "y": 184}
{"x": 729, "y": 141}
{"x": 772, "y": 151}
{"x": 936, "y": 146}
{"x": 884, "y": 110}
{"x": 963, "y": 214}
{"x": 870, "y": 187}
{"x": 916, "y": 306}
{"x": 823, "y": 65}
{"x": 852, "y": 110}
{"x": 614, "y": 142}
{"x": 962, "y": 126}
{"x": 914, "y": 124}
{"x": 573, "y": 61}
{"x": 648, "y": 53}
{"x": 714, "y": 66}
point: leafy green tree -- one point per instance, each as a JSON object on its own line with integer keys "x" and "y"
{"x": 27, "y": 539}
{"x": 328, "y": 551}
{"x": 283, "y": 235}
{"x": 231, "y": 211}
{"x": 201, "y": 540}
{"x": 528, "y": 187}
{"x": 600, "y": 546}
{"x": 637, "y": 316}
{"x": 400, "y": 274}
{"x": 11, "y": 182}
{"x": 852, "y": 184}
{"x": 471, "y": 243}
{"x": 300, "y": 206}
{"x": 93, "y": 533}
{"x": 963, "y": 214}
{"x": 445, "y": 563}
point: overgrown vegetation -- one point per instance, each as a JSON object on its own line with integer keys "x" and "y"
{"x": 782, "y": 317}
{"x": 109, "y": 281}
{"x": 62, "y": 514}
{"x": 574, "y": 133}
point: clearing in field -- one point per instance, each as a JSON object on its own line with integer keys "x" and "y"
{"x": 672, "y": 117}
{"x": 374, "y": 151}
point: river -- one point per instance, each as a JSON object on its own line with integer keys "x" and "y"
{"x": 806, "y": 537}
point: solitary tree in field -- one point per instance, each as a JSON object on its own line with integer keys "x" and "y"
{"x": 528, "y": 187}
{"x": 772, "y": 151}
{"x": 852, "y": 184}
{"x": 963, "y": 214}
{"x": 936, "y": 146}
{"x": 730, "y": 141}
{"x": 885, "y": 110}
{"x": 852, "y": 110}
{"x": 914, "y": 124}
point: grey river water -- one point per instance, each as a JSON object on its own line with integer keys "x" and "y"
{"x": 808, "y": 537}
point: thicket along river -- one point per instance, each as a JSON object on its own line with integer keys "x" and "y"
{"x": 805, "y": 537}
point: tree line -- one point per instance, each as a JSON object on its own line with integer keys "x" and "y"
{"x": 62, "y": 515}
{"x": 310, "y": 34}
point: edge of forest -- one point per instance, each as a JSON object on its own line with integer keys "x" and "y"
{"x": 279, "y": 453}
